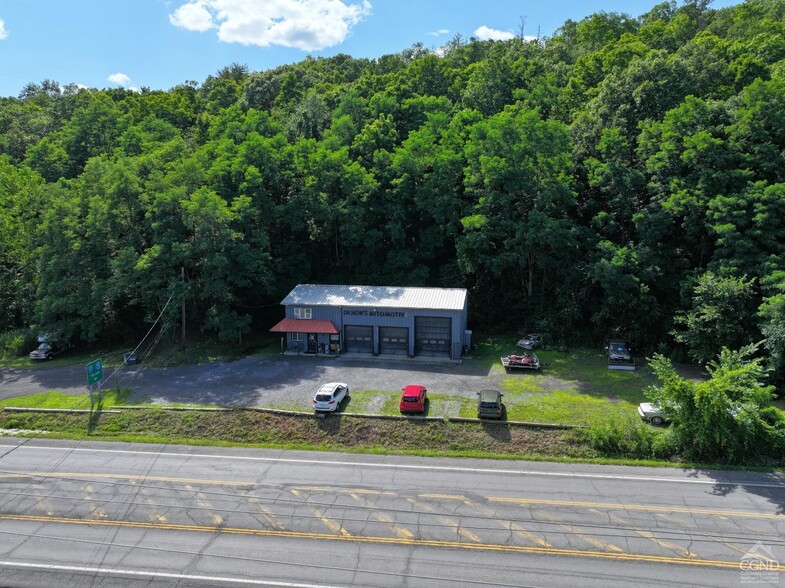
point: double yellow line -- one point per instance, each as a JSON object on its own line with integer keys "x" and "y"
{"x": 643, "y": 507}
{"x": 78, "y": 476}
{"x": 406, "y": 539}
{"x": 381, "y": 540}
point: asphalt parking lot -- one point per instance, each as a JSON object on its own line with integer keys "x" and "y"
{"x": 259, "y": 380}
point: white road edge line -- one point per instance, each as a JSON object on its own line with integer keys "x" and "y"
{"x": 146, "y": 574}
{"x": 312, "y": 462}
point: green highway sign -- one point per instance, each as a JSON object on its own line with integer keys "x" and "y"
{"x": 95, "y": 372}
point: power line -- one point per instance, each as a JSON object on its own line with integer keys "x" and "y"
{"x": 135, "y": 349}
{"x": 83, "y": 400}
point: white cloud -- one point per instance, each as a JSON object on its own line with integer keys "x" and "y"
{"x": 193, "y": 16}
{"x": 120, "y": 79}
{"x": 439, "y": 32}
{"x": 485, "y": 34}
{"x": 3, "y": 32}
{"x": 309, "y": 25}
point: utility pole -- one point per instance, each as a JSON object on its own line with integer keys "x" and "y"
{"x": 182, "y": 277}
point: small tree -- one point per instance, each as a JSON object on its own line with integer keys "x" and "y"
{"x": 719, "y": 316}
{"x": 725, "y": 418}
{"x": 772, "y": 323}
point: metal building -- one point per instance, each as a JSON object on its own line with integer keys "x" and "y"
{"x": 375, "y": 320}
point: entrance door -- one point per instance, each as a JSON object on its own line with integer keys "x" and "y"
{"x": 394, "y": 340}
{"x": 312, "y": 343}
{"x": 432, "y": 336}
{"x": 359, "y": 339}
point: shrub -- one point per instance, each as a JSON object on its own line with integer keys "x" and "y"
{"x": 775, "y": 425}
{"x": 10, "y": 423}
{"x": 17, "y": 343}
{"x": 726, "y": 418}
{"x": 630, "y": 438}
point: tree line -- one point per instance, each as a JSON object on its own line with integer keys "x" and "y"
{"x": 625, "y": 176}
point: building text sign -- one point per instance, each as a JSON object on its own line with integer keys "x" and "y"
{"x": 374, "y": 312}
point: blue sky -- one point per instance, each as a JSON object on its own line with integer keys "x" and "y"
{"x": 162, "y": 43}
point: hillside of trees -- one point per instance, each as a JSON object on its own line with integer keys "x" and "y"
{"x": 626, "y": 175}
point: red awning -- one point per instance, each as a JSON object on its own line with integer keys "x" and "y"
{"x": 293, "y": 325}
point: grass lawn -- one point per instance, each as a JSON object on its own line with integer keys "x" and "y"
{"x": 388, "y": 403}
{"x": 371, "y": 402}
{"x": 109, "y": 398}
{"x": 573, "y": 387}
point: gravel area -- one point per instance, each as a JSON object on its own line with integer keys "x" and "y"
{"x": 260, "y": 380}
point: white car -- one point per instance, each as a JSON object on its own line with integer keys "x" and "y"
{"x": 328, "y": 398}
{"x": 651, "y": 413}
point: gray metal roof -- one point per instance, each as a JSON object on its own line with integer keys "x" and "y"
{"x": 379, "y": 296}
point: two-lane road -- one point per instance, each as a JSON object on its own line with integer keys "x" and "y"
{"x": 74, "y": 514}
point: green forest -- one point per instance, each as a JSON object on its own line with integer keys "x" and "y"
{"x": 624, "y": 176}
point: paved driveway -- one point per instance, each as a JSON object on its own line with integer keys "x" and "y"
{"x": 257, "y": 381}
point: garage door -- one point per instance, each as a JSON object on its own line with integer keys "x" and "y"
{"x": 432, "y": 335}
{"x": 359, "y": 339}
{"x": 394, "y": 340}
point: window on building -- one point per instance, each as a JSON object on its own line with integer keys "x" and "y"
{"x": 298, "y": 336}
{"x": 302, "y": 313}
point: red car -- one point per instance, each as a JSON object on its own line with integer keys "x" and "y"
{"x": 413, "y": 399}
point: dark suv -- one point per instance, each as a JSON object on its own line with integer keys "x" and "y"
{"x": 489, "y": 404}
{"x": 47, "y": 350}
{"x": 617, "y": 351}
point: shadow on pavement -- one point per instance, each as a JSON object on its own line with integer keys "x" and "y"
{"x": 768, "y": 485}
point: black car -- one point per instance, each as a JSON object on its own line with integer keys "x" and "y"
{"x": 47, "y": 350}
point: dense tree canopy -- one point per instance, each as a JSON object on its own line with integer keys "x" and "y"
{"x": 626, "y": 175}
